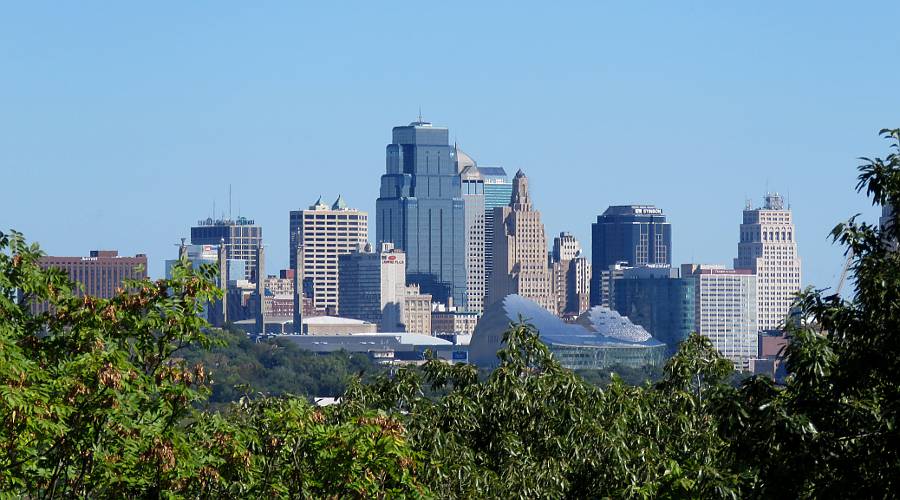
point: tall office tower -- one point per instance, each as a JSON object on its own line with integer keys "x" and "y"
{"x": 565, "y": 247}
{"x": 520, "y": 251}
{"x": 607, "y": 285}
{"x": 656, "y": 298}
{"x": 260, "y": 288}
{"x": 768, "y": 249}
{"x": 325, "y": 233}
{"x": 240, "y": 236}
{"x": 416, "y": 311}
{"x": 568, "y": 270}
{"x": 497, "y": 193}
{"x": 473, "y": 200}
{"x": 887, "y": 215}
{"x": 578, "y": 292}
{"x": 635, "y": 234}
{"x": 420, "y": 210}
{"x": 101, "y": 274}
{"x": 297, "y": 275}
{"x": 725, "y": 310}
{"x": 373, "y": 286}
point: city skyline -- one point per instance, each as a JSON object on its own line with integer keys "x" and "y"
{"x": 180, "y": 117}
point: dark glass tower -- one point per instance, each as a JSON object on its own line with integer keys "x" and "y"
{"x": 420, "y": 210}
{"x": 636, "y": 234}
{"x": 657, "y": 299}
{"x": 497, "y": 193}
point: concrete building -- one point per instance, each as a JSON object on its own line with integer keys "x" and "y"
{"x": 385, "y": 347}
{"x": 448, "y": 320}
{"x": 326, "y": 232}
{"x": 637, "y": 235}
{"x": 373, "y": 285}
{"x": 416, "y": 311}
{"x": 497, "y": 193}
{"x": 520, "y": 251}
{"x": 240, "y": 236}
{"x": 420, "y": 210}
{"x": 473, "y": 199}
{"x": 768, "y": 249}
{"x": 725, "y": 310}
{"x": 100, "y": 275}
{"x": 658, "y": 299}
{"x": 312, "y": 326}
{"x": 570, "y": 276}
{"x": 607, "y": 281}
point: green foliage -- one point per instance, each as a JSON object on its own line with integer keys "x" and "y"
{"x": 238, "y": 366}
{"x": 96, "y": 402}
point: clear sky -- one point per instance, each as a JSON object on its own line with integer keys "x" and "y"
{"x": 122, "y": 124}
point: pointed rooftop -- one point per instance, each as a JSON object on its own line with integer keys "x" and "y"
{"x": 339, "y": 203}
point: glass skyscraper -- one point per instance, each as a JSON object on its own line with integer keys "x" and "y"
{"x": 497, "y": 193}
{"x": 637, "y": 235}
{"x": 420, "y": 210}
{"x": 659, "y": 300}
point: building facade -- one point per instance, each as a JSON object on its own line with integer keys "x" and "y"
{"x": 101, "y": 274}
{"x": 725, "y": 310}
{"x": 497, "y": 193}
{"x": 373, "y": 286}
{"x": 473, "y": 199}
{"x": 570, "y": 276}
{"x": 416, "y": 311}
{"x": 326, "y": 232}
{"x": 768, "y": 249}
{"x": 659, "y": 300}
{"x": 240, "y": 236}
{"x": 638, "y": 235}
{"x": 420, "y": 210}
{"x": 520, "y": 251}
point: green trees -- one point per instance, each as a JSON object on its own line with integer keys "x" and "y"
{"x": 106, "y": 398}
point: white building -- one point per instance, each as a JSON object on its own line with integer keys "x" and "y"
{"x": 473, "y": 201}
{"x": 325, "y": 233}
{"x": 725, "y": 310}
{"x": 373, "y": 285}
{"x": 768, "y": 249}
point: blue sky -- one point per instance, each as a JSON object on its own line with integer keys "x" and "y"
{"x": 121, "y": 124}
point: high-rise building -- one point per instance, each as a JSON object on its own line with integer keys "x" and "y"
{"x": 768, "y": 249}
{"x": 373, "y": 286}
{"x": 725, "y": 310}
{"x": 656, "y": 298}
{"x": 100, "y": 275}
{"x": 570, "y": 276}
{"x": 420, "y": 210}
{"x": 607, "y": 281}
{"x": 497, "y": 193}
{"x": 326, "y": 232}
{"x": 473, "y": 199}
{"x": 635, "y": 234}
{"x": 520, "y": 251}
{"x": 416, "y": 311}
{"x": 240, "y": 236}
{"x": 887, "y": 215}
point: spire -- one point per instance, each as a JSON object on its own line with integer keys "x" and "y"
{"x": 520, "y": 197}
{"x": 339, "y": 203}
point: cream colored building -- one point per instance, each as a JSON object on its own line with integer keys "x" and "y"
{"x": 768, "y": 249}
{"x": 325, "y": 233}
{"x": 416, "y": 311}
{"x": 520, "y": 251}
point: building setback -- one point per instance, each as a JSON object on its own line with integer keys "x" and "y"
{"x": 373, "y": 286}
{"x": 420, "y": 210}
{"x": 768, "y": 249}
{"x": 725, "y": 310}
{"x": 520, "y": 251}
{"x": 325, "y": 233}
{"x": 240, "y": 236}
{"x": 635, "y": 234}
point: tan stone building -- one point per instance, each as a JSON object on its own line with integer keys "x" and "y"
{"x": 416, "y": 311}
{"x": 520, "y": 251}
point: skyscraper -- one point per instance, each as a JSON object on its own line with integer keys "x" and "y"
{"x": 240, "y": 236}
{"x": 100, "y": 275}
{"x": 725, "y": 310}
{"x": 325, "y": 233}
{"x": 659, "y": 300}
{"x": 497, "y": 193}
{"x": 373, "y": 286}
{"x": 420, "y": 210}
{"x": 570, "y": 275}
{"x": 768, "y": 249}
{"x": 635, "y": 234}
{"x": 520, "y": 251}
{"x": 473, "y": 199}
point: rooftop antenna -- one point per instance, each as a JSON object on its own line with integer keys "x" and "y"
{"x": 420, "y": 114}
